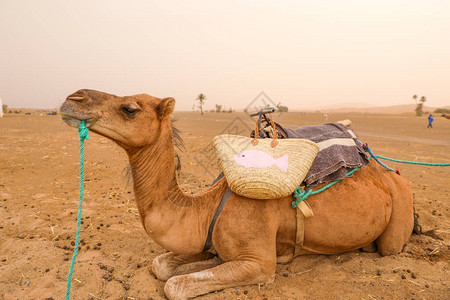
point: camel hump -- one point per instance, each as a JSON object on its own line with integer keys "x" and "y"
{"x": 346, "y": 122}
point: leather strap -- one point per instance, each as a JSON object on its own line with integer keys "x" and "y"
{"x": 304, "y": 211}
{"x": 222, "y": 203}
{"x": 300, "y": 236}
{"x": 218, "y": 178}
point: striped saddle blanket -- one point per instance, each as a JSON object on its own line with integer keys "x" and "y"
{"x": 339, "y": 153}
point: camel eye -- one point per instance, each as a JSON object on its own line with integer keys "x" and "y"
{"x": 129, "y": 110}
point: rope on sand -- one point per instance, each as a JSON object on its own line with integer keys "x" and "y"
{"x": 83, "y": 134}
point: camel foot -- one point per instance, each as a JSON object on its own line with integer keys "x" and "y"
{"x": 169, "y": 264}
{"x": 229, "y": 274}
{"x": 371, "y": 248}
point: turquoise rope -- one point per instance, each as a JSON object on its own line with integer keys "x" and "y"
{"x": 83, "y": 134}
{"x": 301, "y": 195}
{"x": 367, "y": 149}
{"x": 412, "y": 162}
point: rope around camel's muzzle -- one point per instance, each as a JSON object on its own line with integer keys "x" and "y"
{"x": 83, "y": 134}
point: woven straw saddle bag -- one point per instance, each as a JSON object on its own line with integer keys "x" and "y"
{"x": 264, "y": 168}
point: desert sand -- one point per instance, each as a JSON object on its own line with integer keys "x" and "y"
{"x": 39, "y": 182}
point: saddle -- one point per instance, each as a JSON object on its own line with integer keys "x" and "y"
{"x": 339, "y": 152}
{"x": 339, "y": 149}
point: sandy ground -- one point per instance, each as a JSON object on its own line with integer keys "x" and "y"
{"x": 39, "y": 160}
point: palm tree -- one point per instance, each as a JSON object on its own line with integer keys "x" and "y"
{"x": 419, "y": 107}
{"x": 415, "y": 98}
{"x": 201, "y": 98}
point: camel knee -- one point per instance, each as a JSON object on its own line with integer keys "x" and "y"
{"x": 163, "y": 267}
{"x": 252, "y": 272}
{"x": 174, "y": 289}
{"x": 393, "y": 241}
{"x": 400, "y": 225}
{"x": 386, "y": 249}
{"x": 395, "y": 236}
{"x": 169, "y": 264}
{"x": 390, "y": 243}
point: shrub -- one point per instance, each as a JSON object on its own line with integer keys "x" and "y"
{"x": 442, "y": 111}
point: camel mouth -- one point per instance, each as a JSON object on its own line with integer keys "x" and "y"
{"x": 74, "y": 121}
{"x": 72, "y": 114}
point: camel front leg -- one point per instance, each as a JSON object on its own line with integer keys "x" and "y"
{"x": 169, "y": 264}
{"x": 229, "y": 274}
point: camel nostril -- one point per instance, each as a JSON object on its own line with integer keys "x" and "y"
{"x": 79, "y": 95}
{"x": 76, "y": 98}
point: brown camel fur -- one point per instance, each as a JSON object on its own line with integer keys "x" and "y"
{"x": 250, "y": 236}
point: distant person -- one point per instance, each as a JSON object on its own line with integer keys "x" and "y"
{"x": 430, "y": 121}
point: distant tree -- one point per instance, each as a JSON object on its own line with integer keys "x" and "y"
{"x": 419, "y": 110}
{"x": 218, "y": 108}
{"x": 419, "y": 105}
{"x": 5, "y": 108}
{"x": 201, "y": 98}
{"x": 282, "y": 108}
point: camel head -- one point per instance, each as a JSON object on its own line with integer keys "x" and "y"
{"x": 132, "y": 121}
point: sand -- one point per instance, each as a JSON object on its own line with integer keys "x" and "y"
{"x": 39, "y": 160}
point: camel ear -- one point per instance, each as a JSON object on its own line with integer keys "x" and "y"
{"x": 165, "y": 108}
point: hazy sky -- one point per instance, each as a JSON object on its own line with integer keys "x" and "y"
{"x": 306, "y": 54}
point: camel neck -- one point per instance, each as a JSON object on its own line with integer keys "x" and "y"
{"x": 165, "y": 210}
{"x": 154, "y": 178}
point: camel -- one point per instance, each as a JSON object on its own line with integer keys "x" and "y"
{"x": 447, "y": 116}
{"x": 374, "y": 207}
